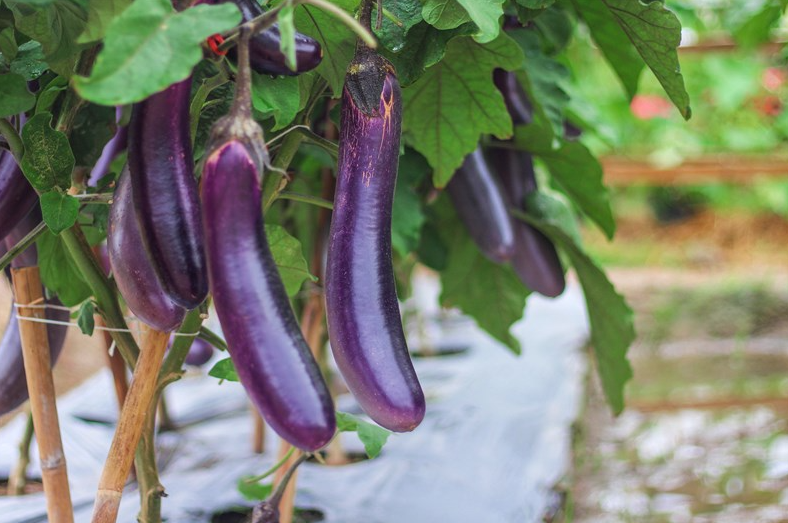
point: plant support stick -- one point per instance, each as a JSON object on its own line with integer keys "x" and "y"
{"x": 35, "y": 351}
{"x": 130, "y": 425}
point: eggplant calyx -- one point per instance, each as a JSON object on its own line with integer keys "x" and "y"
{"x": 365, "y": 77}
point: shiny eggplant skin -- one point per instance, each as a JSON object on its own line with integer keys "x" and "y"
{"x": 364, "y": 323}
{"x": 17, "y": 196}
{"x": 265, "y": 56}
{"x": 199, "y": 353}
{"x": 535, "y": 259}
{"x": 165, "y": 193}
{"x": 114, "y": 147}
{"x": 272, "y": 358}
{"x": 480, "y": 204}
{"x": 131, "y": 266}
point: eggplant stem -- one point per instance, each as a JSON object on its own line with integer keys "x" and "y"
{"x": 21, "y": 245}
{"x": 274, "y": 468}
{"x": 12, "y": 137}
{"x": 306, "y": 198}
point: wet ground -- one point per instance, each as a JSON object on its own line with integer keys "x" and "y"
{"x": 705, "y": 435}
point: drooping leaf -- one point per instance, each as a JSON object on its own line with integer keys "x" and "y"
{"x": 338, "y": 42}
{"x": 372, "y": 436}
{"x": 149, "y": 47}
{"x": 58, "y": 272}
{"x": 444, "y": 14}
{"x": 576, "y": 171}
{"x": 279, "y": 97}
{"x": 536, "y": 4}
{"x": 85, "y": 318}
{"x": 287, "y": 32}
{"x": 449, "y": 14}
{"x": 100, "y": 15}
{"x": 56, "y": 25}
{"x": 93, "y": 127}
{"x": 289, "y": 258}
{"x": 393, "y": 36}
{"x": 8, "y": 47}
{"x": 254, "y": 491}
{"x": 29, "y": 62}
{"x": 612, "y": 328}
{"x": 59, "y": 210}
{"x": 48, "y": 160}
{"x": 224, "y": 370}
{"x": 456, "y": 101}
{"x": 14, "y": 96}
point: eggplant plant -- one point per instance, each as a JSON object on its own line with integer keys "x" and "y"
{"x": 208, "y": 132}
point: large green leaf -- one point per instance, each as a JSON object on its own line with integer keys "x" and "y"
{"x": 656, "y": 33}
{"x": 393, "y": 36}
{"x": 576, "y": 171}
{"x": 100, "y": 15}
{"x": 58, "y": 272}
{"x": 29, "y": 62}
{"x": 449, "y": 14}
{"x": 48, "y": 160}
{"x": 612, "y": 327}
{"x": 444, "y": 14}
{"x": 14, "y": 96}
{"x": 279, "y": 97}
{"x": 289, "y": 258}
{"x": 56, "y": 25}
{"x": 372, "y": 437}
{"x": 149, "y": 47}
{"x": 407, "y": 214}
{"x": 456, "y": 101}
{"x": 338, "y": 42}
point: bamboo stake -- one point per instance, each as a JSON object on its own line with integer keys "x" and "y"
{"x": 35, "y": 352}
{"x": 130, "y": 425}
{"x": 116, "y": 365}
{"x": 258, "y": 432}
{"x": 18, "y": 478}
{"x": 287, "y": 501}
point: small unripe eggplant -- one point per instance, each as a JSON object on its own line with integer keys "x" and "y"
{"x": 199, "y": 354}
{"x": 535, "y": 259}
{"x": 272, "y": 358}
{"x": 165, "y": 193}
{"x": 17, "y": 196}
{"x": 131, "y": 266}
{"x": 265, "y": 55}
{"x": 480, "y": 205}
{"x": 364, "y": 323}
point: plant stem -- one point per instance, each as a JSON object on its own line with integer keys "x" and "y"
{"x": 103, "y": 290}
{"x": 274, "y": 468}
{"x": 13, "y": 139}
{"x": 72, "y": 103}
{"x": 18, "y": 478}
{"x": 306, "y": 198}
{"x": 23, "y": 244}
{"x": 211, "y": 337}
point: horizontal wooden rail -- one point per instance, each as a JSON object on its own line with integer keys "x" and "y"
{"x": 719, "y": 168}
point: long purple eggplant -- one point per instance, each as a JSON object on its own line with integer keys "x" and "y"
{"x": 480, "y": 205}
{"x": 13, "y": 384}
{"x": 270, "y": 354}
{"x": 17, "y": 196}
{"x": 265, "y": 55}
{"x": 535, "y": 259}
{"x": 111, "y": 150}
{"x": 364, "y": 323}
{"x": 131, "y": 266}
{"x": 165, "y": 193}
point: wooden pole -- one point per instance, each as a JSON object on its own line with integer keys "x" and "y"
{"x": 116, "y": 365}
{"x": 38, "y": 370}
{"x": 258, "y": 432}
{"x": 287, "y": 501}
{"x": 130, "y": 425}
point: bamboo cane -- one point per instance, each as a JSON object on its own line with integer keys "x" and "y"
{"x": 130, "y": 424}
{"x": 38, "y": 370}
{"x": 116, "y": 365}
{"x": 258, "y": 432}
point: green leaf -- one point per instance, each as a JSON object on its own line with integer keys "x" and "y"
{"x": 289, "y": 258}
{"x": 287, "y": 42}
{"x": 491, "y": 294}
{"x": 29, "y": 62}
{"x": 656, "y": 33}
{"x": 56, "y": 26}
{"x": 100, "y": 15}
{"x": 224, "y": 370}
{"x": 48, "y": 160}
{"x": 575, "y": 170}
{"x": 535, "y": 4}
{"x": 449, "y": 14}
{"x": 93, "y": 127}
{"x": 254, "y": 491}
{"x": 455, "y": 102}
{"x": 338, "y": 42}
{"x": 757, "y": 28}
{"x": 556, "y": 28}
{"x": 14, "y": 96}
{"x": 612, "y": 328}
{"x": 59, "y": 210}
{"x": 424, "y": 47}
{"x": 49, "y": 94}
{"x": 613, "y": 42}
{"x": 279, "y": 97}
{"x": 149, "y": 47}
{"x": 407, "y": 213}
{"x": 392, "y": 36}
{"x": 372, "y": 436}
{"x": 8, "y": 47}
{"x": 85, "y": 319}
{"x": 58, "y": 272}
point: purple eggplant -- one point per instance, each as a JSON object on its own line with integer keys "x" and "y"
{"x": 131, "y": 266}
{"x": 270, "y": 354}
{"x": 364, "y": 323}
{"x": 165, "y": 193}
{"x": 13, "y": 384}
{"x": 114, "y": 147}
{"x": 535, "y": 259}
{"x": 265, "y": 55}
{"x": 199, "y": 354}
{"x": 480, "y": 205}
{"x": 17, "y": 196}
